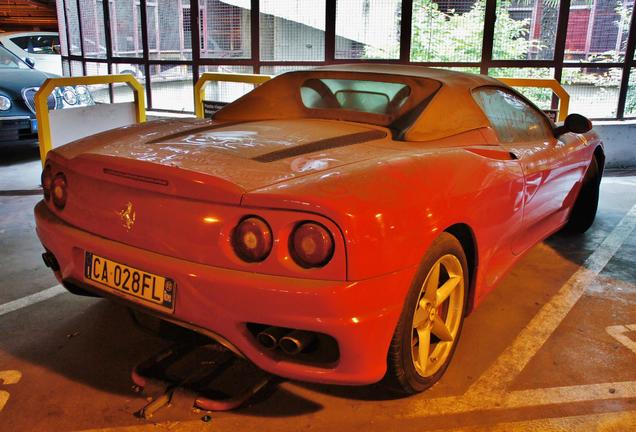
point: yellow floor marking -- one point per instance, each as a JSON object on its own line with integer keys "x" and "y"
{"x": 8, "y": 377}
{"x": 618, "y": 333}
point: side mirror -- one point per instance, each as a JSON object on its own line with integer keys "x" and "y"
{"x": 30, "y": 62}
{"x": 575, "y": 123}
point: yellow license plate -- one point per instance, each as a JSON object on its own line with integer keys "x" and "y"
{"x": 137, "y": 283}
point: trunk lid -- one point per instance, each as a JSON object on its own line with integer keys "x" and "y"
{"x": 239, "y": 157}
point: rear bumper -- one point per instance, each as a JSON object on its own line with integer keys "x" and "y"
{"x": 360, "y": 315}
{"x": 17, "y": 129}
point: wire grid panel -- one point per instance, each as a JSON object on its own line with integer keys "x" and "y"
{"x": 223, "y": 91}
{"x": 447, "y": 30}
{"x": 292, "y": 30}
{"x": 593, "y": 91}
{"x": 93, "y": 36}
{"x": 597, "y": 30}
{"x": 125, "y": 28}
{"x": 169, "y": 30}
{"x": 368, "y": 30}
{"x": 525, "y": 29}
{"x": 225, "y": 29}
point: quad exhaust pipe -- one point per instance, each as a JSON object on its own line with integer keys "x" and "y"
{"x": 296, "y": 341}
{"x": 291, "y": 342}
{"x": 269, "y": 337}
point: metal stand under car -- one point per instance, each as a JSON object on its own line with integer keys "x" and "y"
{"x": 217, "y": 378}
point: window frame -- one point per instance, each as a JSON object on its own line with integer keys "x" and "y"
{"x": 67, "y": 9}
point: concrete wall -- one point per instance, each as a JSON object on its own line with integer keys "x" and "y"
{"x": 619, "y": 138}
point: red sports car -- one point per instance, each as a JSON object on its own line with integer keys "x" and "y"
{"x": 333, "y": 225}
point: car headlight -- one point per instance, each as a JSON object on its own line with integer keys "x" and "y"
{"x": 69, "y": 95}
{"x": 83, "y": 95}
{"x": 5, "y": 103}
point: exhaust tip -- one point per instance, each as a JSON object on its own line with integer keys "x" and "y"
{"x": 50, "y": 261}
{"x": 290, "y": 345}
{"x": 296, "y": 342}
{"x": 267, "y": 340}
{"x": 269, "y": 337}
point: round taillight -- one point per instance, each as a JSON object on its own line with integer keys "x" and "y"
{"x": 46, "y": 179}
{"x": 252, "y": 239}
{"x": 311, "y": 245}
{"x": 58, "y": 191}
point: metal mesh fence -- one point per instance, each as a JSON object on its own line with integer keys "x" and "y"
{"x": 121, "y": 92}
{"x": 630, "y": 100}
{"x": 221, "y": 91}
{"x": 292, "y": 30}
{"x": 169, "y": 29}
{"x": 125, "y": 28}
{"x": 93, "y": 37}
{"x": 368, "y": 30}
{"x": 225, "y": 29}
{"x": 73, "y": 28}
{"x": 61, "y": 22}
{"x": 275, "y": 36}
{"x": 541, "y": 97}
{"x": 447, "y": 31}
{"x": 593, "y": 90}
{"x": 171, "y": 87}
{"x": 597, "y": 30}
{"x": 525, "y": 29}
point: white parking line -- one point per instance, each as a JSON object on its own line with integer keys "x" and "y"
{"x": 31, "y": 299}
{"x": 536, "y": 333}
{"x": 489, "y": 391}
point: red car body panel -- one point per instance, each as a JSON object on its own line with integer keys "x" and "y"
{"x": 383, "y": 200}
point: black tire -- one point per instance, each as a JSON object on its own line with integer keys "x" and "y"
{"x": 584, "y": 208}
{"x": 402, "y": 375}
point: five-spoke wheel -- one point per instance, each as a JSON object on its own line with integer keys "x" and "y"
{"x": 428, "y": 330}
{"x": 438, "y": 315}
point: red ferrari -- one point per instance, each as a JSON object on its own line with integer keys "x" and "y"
{"x": 333, "y": 225}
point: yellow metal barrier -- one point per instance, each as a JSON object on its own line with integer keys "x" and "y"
{"x": 199, "y": 93}
{"x": 552, "y": 84}
{"x": 42, "y": 108}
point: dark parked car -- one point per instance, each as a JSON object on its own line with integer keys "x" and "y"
{"x": 18, "y": 84}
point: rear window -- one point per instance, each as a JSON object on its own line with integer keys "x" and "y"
{"x": 374, "y": 97}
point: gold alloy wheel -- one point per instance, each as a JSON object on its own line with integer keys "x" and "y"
{"x": 437, "y": 315}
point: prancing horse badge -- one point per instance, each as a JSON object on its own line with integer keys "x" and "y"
{"x": 128, "y": 216}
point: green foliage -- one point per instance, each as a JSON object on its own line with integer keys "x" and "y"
{"x": 446, "y": 37}
{"x": 450, "y": 36}
{"x": 630, "y": 100}
{"x": 453, "y": 37}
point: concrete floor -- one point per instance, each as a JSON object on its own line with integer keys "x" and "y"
{"x": 548, "y": 350}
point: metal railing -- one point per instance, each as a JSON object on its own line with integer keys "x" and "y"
{"x": 552, "y": 84}
{"x": 199, "y": 87}
{"x": 42, "y": 108}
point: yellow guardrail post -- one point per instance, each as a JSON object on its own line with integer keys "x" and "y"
{"x": 199, "y": 93}
{"x": 552, "y": 84}
{"x": 42, "y": 108}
